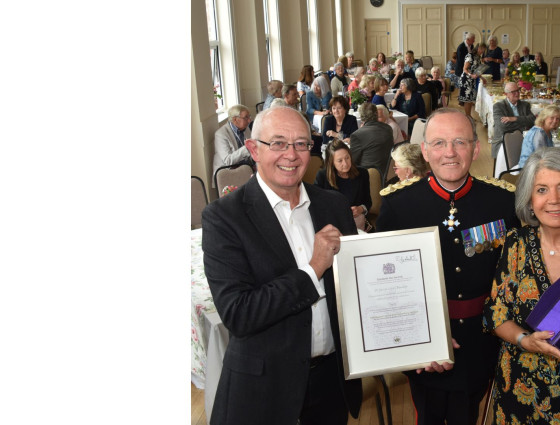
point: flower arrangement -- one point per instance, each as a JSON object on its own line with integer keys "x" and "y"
{"x": 228, "y": 189}
{"x": 397, "y": 55}
{"x": 357, "y": 97}
{"x": 526, "y": 72}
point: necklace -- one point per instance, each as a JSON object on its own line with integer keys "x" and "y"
{"x": 543, "y": 242}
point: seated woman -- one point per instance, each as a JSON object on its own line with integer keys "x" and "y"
{"x": 372, "y": 67}
{"x": 355, "y": 84}
{"x": 425, "y": 86}
{"x": 382, "y": 66}
{"x": 339, "y": 81}
{"x": 386, "y": 116}
{"x": 410, "y": 64}
{"x": 318, "y": 98}
{"x": 380, "y": 86}
{"x": 305, "y": 79}
{"x": 409, "y": 102}
{"x": 400, "y": 74}
{"x": 541, "y": 134}
{"x": 367, "y": 86}
{"x": 450, "y": 71}
{"x": 339, "y": 125}
{"x": 342, "y": 175}
{"x": 526, "y": 381}
{"x": 439, "y": 83}
{"x": 513, "y": 64}
{"x": 542, "y": 66}
{"x": 409, "y": 162}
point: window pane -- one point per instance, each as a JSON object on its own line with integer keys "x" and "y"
{"x": 216, "y": 76}
{"x": 211, "y": 18}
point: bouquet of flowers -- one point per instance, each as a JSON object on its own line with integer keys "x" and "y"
{"x": 357, "y": 97}
{"x": 397, "y": 55}
{"x": 526, "y": 72}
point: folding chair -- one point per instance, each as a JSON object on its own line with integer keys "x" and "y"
{"x": 234, "y": 175}
{"x": 512, "y": 147}
{"x": 417, "y": 136}
{"x": 199, "y": 200}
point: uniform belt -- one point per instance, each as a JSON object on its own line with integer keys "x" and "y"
{"x": 459, "y": 309}
{"x": 317, "y": 361}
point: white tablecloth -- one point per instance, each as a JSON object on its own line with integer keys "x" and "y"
{"x": 484, "y": 107}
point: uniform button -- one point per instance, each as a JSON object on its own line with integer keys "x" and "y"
{"x": 460, "y": 296}
{"x": 461, "y": 321}
{"x": 458, "y": 269}
{"x": 456, "y": 240}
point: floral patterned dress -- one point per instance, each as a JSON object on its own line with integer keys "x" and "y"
{"x": 527, "y": 385}
{"x": 467, "y": 92}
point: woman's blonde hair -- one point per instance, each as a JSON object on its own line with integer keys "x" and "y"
{"x": 548, "y": 111}
{"x": 409, "y": 155}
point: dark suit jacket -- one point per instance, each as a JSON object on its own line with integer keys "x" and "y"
{"x": 265, "y": 301}
{"x": 371, "y": 145}
{"x": 531, "y": 58}
{"x": 525, "y": 121}
{"x": 462, "y": 51}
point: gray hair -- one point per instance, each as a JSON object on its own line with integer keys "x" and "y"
{"x": 261, "y": 117}
{"x": 435, "y": 68}
{"x": 409, "y": 83}
{"x": 384, "y": 111}
{"x": 420, "y": 71}
{"x": 372, "y": 60}
{"x": 510, "y": 83}
{"x": 492, "y": 37}
{"x": 235, "y": 111}
{"x": 286, "y": 89}
{"x": 441, "y": 111}
{"x": 274, "y": 86}
{"x": 338, "y": 64}
{"x": 278, "y": 102}
{"x": 322, "y": 83}
{"x": 543, "y": 158}
{"x": 469, "y": 35}
{"x": 368, "y": 112}
{"x": 349, "y": 54}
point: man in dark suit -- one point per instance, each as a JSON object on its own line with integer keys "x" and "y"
{"x": 467, "y": 211}
{"x": 526, "y": 56}
{"x": 371, "y": 144}
{"x": 268, "y": 254}
{"x": 510, "y": 114}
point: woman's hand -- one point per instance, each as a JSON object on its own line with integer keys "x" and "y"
{"x": 536, "y": 343}
{"x": 332, "y": 133}
{"x": 357, "y": 210}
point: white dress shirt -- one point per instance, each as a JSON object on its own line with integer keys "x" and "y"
{"x": 299, "y": 230}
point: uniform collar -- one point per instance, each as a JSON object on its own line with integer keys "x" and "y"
{"x": 446, "y": 194}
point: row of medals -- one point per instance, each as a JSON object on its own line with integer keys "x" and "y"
{"x": 496, "y": 238}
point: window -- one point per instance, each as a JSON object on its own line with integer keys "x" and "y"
{"x": 267, "y": 40}
{"x": 338, "y": 18}
{"x": 215, "y": 62}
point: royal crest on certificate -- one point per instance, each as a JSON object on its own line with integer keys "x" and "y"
{"x": 392, "y": 300}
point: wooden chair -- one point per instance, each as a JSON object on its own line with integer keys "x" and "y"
{"x": 553, "y": 69}
{"x": 447, "y": 90}
{"x": 510, "y": 176}
{"x": 234, "y": 175}
{"x": 427, "y": 63}
{"x": 427, "y": 103}
{"x": 375, "y": 186}
{"x": 259, "y": 107}
{"x": 199, "y": 200}
{"x": 512, "y": 147}
{"x": 417, "y": 136}
{"x": 315, "y": 163}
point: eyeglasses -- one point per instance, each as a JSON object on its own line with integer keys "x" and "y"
{"x": 248, "y": 117}
{"x": 283, "y": 146}
{"x": 458, "y": 144}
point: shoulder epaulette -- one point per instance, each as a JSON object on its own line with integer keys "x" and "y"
{"x": 398, "y": 185}
{"x": 510, "y": 187}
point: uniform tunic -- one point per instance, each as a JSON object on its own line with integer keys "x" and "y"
{"x": 466, "y": 278}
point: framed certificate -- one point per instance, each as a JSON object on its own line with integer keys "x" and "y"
{"x": 391, "y": 300}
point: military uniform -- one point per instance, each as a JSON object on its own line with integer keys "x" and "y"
{"x": 468, "y": 280}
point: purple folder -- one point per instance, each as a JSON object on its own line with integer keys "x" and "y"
{"x": 546, "y": 314}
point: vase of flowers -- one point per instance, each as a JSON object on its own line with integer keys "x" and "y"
{"x": 524, "y": 75}
{"x": 357, "y": 97}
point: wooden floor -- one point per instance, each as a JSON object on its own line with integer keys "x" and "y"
{"x": 401, "y": 402}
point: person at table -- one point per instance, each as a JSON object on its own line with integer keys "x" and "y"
{"x": 425, "y": 86}
{"x": 509, "y": 115}
{"x": 371, "y": 145}
{"x": 467, "y": 92}
{"x": 306, "y": 77}
{"x": 367, "y": 86}
{"x": 229, "y": 140}
{"x": 274, "y": 89}
{"x": 408, "y": 101}
{"x": 410, "y": 165}
{"x": 339, "y": 80}
{"x": 453, "y": 200}
{"x": 341, "y": 174}
{"x": 410, "y": 64}
{"x": 450, "y": 71}
{"x": 373, "y": 67}
{"x": 526, "y": 380}
{"x": 318, "y": 98}
{"x": 540, "y": 135}
{"x": 290, "y": 95}
{"x": 268, "y": 254}
{"x": 339, "y": 124}
{"x": 505, "y": 56}
{"x": 514, "y": 64}
{"x": 400, "y": 74}
{"x": 382, "y": 66}
{"x": 439, "y": 83}
{"x": 493, "y": 57}
{"x": 380, "y": 88}
{"x": 355, "y": 83}
{"x": 386, "y": 116}
{"x": 542, "y": 66}
{"x": 526, "y": 55}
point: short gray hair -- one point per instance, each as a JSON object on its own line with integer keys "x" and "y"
{"x": 235, "y": 111}
{"x": 348, "y": 54}
{"x": 259, "y": 120}
{"x": 492, "y": 37}
{"x": 338, "y": 64}
{"x": 442, "y": 111}
{"x": 543, "y": 158}
{"x": 420, "y": 71}
{"x": 286, "y": 88}
{"x": 368, "y": 112}
{"x": 274, "y": 86}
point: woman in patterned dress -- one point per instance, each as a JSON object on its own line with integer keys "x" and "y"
{"x": 527, "y": 381}
{"x": 467, "y": 92}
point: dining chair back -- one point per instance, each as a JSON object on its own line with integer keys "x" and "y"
{"x": 235, "y": 175}
{"x": 553, "y": 70}
{"x": 512, "y": 147}
{"x": 447, "y": 90}
{"x": 199, "y": 200}
{"x": 259, "y": 107}
{"x": 303, "y": 102}
{"x": 315, "y": 164}
{"x": 375, "y": 186}
{"x": 427, "y": 103}
{"x": 510, "y": 176}
{"x": 417, "y": 136}
{"x": 427, "y": 63}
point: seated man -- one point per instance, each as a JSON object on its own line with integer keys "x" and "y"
{"x": 510, "y": 114}
{"x": 229, "y": 140}
{"x": 274, "y": 88}
{"x": 526, "y": 56}
{"x": 290, "y": 95}
{"x": 371, "y": 144}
